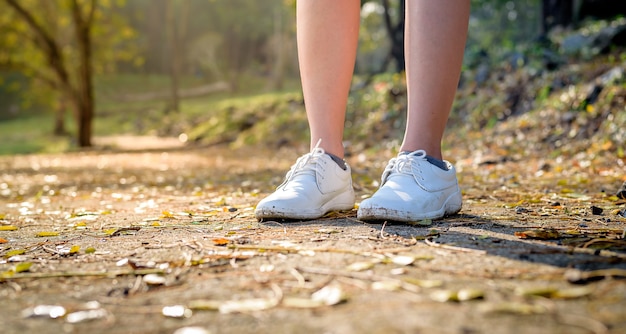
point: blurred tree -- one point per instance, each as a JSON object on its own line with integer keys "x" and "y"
{"x": 177, "y": 15}
{"x": 566, "y": 13}
{"x": 218, "y": 40}
{"x": 395, "y": 30}
{"x": 52, "y": 42}
{"x": 244, "y": 33}
{"x": 392, "y": 14}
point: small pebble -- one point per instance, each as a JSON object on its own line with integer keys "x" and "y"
{"x": 621, "y": 193}
{"x": 596, "y": 210}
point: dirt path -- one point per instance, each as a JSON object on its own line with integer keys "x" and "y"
{"x": 116, "y": 239}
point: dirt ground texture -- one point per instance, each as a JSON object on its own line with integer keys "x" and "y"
{"x": 165, "y": 241}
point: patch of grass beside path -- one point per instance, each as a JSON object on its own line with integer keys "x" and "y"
{"x": 31, "y": 134}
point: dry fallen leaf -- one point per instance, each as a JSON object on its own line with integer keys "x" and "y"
{"x": 176, "y": 311}
{"x": 220, "y": 241}
{"x": 14, "y": 252}
{"x": 47, "y": 234}
{"x": 47, "y": 311}
{"x": 296, "y": 302}
{"x": 512, "y": 307}
{"x": 22, "y": 267}
{"x": 360, "y": 266}
{"x": 387, "y": 285}
{"x": 403, "y": 260}
{"x": 86, "y": 315}
{"x": 330, "y": 295}
{"x": 457, "y": 296}
{"x": 423, "y": 283}
{"x": 541, "y": 234}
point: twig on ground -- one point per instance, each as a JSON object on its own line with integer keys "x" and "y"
{"x": 277, "y": 223}
{"x": 431, "y": 242}
{"x": 124, "y": 229}
{"x": 360, "y": 276}
{"x": 588, "y": 323}
{"x": 139, "y": 272}
{"x": 382, "y": 229}
{"x": 136, "y": 286}
{"x": 375, "y": 253}
{"x": 295, "y": 273}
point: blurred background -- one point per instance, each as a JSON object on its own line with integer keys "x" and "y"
{"x": 76, "y": 72}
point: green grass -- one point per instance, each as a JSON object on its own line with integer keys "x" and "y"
{"x": 30, "y": 134}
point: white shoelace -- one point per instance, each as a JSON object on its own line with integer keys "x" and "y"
{"x": 305, "y": 164}
{"x": 402, "y": 164}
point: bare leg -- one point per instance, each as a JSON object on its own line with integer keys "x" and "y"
{"x": 436, "y": 32}
{"x": 327, "y": 32}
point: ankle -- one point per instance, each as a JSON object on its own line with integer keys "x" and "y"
{"x": 340, "y": 162}
{"x": 432, "y": 160}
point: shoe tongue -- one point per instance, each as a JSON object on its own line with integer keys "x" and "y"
{"x": 306, "y": 163}
{"x": 403, "y": 165}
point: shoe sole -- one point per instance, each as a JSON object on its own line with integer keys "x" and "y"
{"x": 452, "y": 206}
{"x": 346, "y": 203}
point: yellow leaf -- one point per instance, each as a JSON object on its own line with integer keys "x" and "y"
{"x": 8, "y": 228}
{"x": 14, "y": 252}
{"x": 22, "y": 267}
{"x": 90, "y": 250}
{"x": 7, "y": 274}
{"x": 166, "y": 214}
{"x": 74, "y": 249}
{"x": 47, "y": 234}
{"x": 110, "y": 231}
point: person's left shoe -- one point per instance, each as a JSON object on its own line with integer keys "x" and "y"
{"x": 314, "y": 186}
{"x": 413, "y": 189}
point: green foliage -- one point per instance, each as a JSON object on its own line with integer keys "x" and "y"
{"x": 498, "y": 28}
{"x": 272, "y": 119}
{"x": 30, "y": 134}
{"x": 23, "y": 51}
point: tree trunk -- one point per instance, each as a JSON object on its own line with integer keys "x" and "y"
{"x": 279, "y": 57}
{"x": 396, "y": 34}
{"x": 81, "y": 96}
{"x": 59, "y": 118}
{"x": 176, "y": 32}
{"x": 556, "y": 13}
{"x": 84, "y": 99}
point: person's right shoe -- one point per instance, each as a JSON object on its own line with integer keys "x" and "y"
{"x": 314, "y": 185}
{"x": 413, "y": 189}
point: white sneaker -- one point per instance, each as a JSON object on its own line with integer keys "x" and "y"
{"x": 413, "y": 189}
{"x": 314, "y": 185}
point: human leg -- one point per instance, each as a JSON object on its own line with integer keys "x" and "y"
{"x": 413, "y": 187}
{"x": 327, "y": 34}
{"x": 435, "y": 37}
